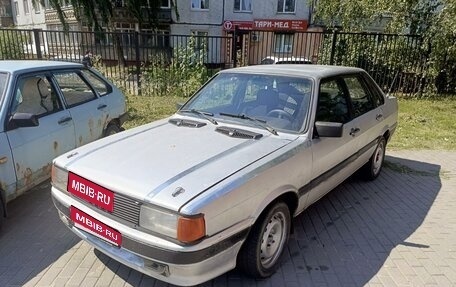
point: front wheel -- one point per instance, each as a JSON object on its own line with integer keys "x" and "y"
{"x": 372, "y": 168}
{"x": 112, "y": 129}
{"x": 260, "y": 254}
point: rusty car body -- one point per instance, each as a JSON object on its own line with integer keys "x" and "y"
{"x": 215, "y": 186}
{"x": 48, "y": 108}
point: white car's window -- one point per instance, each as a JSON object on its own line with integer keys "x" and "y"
{"x": 74, "y": 89}
{"x": 332, "y": 103}
{"x": 361, "y": 101}
{"x": 3, "y": 79}
{"x": 98, "y": 84}
{"x": 35, "y": 95}
{"x": 281, "y": 102}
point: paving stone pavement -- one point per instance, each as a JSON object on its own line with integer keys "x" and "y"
{"x": 399, "y": 230}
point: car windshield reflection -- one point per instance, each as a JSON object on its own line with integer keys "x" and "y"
{"x": 281, "y": 102}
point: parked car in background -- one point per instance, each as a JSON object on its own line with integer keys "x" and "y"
{"x": 48, "y": 108}
{"x": 285, "y": 60}
{"x": 216, "y": 185}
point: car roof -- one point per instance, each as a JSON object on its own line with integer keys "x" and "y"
{"x": 298, "y": 70}
{"x": 14, "y": 66}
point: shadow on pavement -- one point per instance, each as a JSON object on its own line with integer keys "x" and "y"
{"x": 32, "y": 238}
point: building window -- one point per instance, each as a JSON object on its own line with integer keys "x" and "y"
{"x": 165, "y": 4}
{"x": 243, "y": 5}
{"x": 283, "y": 43}
{"x": 36, "y": 6}
{"x": 26, "y": 7}
{"x": 200, "y": 4}
{"x": 286, "y": 6}
{"x": 16, "y": 8}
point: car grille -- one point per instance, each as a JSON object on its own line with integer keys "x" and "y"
{"x": 126, "y": 208}
{"x": 237, "y": 133}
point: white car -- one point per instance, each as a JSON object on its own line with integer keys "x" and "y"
{"x": 48, "y": 108}
{"x": 216, "y": 185}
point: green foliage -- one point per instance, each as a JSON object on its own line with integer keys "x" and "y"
{"x": 11, "y": 46}
{"x": 434, "y": 21}
{"x": 98, "y": 13}
{"x": 182, "y": 76}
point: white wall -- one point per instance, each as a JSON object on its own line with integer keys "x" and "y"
{"x": 34, "y": 19}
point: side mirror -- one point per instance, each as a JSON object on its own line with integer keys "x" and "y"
{"x": 329, "y": 129}
{"x": 22, "y": 120}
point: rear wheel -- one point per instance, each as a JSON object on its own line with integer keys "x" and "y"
{"x": 372, "y": 168}
{"x": 260, "y": 254}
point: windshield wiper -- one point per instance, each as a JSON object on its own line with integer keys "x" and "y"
{"x": 258, "y": 122}
{"x": 205, "y": 115}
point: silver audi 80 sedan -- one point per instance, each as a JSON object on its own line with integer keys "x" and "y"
{"x": 215, "y": 186}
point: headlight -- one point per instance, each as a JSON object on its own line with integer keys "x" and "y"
{"x": 59, "y": 177}
{"x": 183, "y": 228}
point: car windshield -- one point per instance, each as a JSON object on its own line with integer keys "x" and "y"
{"x": 3, "y": 78}
{"x": 279, "y": 102}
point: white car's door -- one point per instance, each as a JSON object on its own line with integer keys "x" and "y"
{"x": 86, "y": 108}
{"x": 332, "y": 157}
{"x": 34, "y": 147}
{"x": 367, "y": 116}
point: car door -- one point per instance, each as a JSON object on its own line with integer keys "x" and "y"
{"x": 86, "y": 108}
{"x": 331, "y": 156}
{"x": 367, "y": 115}
{"x": 34, "y": 147}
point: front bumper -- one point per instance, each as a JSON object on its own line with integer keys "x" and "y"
{"x": 177, "y": 265}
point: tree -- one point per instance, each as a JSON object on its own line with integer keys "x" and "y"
{"x": 434, "y": 20}
{"x": 98, "y": 13}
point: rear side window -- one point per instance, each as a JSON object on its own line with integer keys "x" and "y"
{"x": 98, "y": 84}
{"x": 377, "y": 95}
{"x": 74, "y": 89}
{"x": 360, "y": 97}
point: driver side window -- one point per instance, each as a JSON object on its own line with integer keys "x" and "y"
{"x": 35, "y": 95}
{"x": 332, "y": 103}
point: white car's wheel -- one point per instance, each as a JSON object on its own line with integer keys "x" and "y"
{"x": 260, "y": 254}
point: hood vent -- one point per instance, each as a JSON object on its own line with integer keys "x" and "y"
{"x": 186, "y": 123}
{"x": 237, "y": 133}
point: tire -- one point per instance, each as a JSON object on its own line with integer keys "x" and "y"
{"x": 373, "y": 167}
{"x": 112, "y": 129}
{"x": 260, "y": 255}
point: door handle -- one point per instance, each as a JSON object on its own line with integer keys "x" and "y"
{"x": 3, "y": 159}
{"x": 378, "y": 117}
{"x": 354, "y": 131}
{"x": 100, "y": 107}
{"x": 64, "y": 120}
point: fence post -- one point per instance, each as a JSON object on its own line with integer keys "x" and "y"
{"x": 36, "y": 36}
{"x": 138, "y": 62}
{"x": 333, "y": 47}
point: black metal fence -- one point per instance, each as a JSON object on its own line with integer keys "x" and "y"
{"x": 163, "y": 64}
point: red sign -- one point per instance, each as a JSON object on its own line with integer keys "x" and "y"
{"x": 241, "y": 25}
{"x": 91, "y": 192}
{"x": 94, "y": 226}
{"x": 273, "y": 25}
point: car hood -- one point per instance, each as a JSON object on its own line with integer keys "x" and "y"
{"x": 150, "y": 163}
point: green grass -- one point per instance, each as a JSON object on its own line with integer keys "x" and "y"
{"x": 426, "y": 124}
{"x": 423, "y": 123}
{"x": 144, "y": 109}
